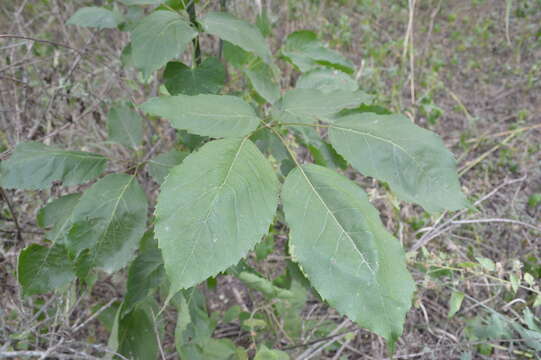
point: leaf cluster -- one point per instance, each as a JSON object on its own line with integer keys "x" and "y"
{"x": 218, "y": 199}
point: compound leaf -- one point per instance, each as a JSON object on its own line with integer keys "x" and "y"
{"x": 34, "y": 165}
{"x": 207, "y": 115}
{"x": 238, "y": 32}
{"x": 414, "y": 161}
{"x": 42, "y": 269}
{"x": 125, "y": 126}
{"x": 94, "y": 17}
{"x": 207, "y": 78}
{"x": 306, "y": 52}
{"x": 213, "y": 208}
{"x": 158, "y": 38}
{"x": 311, "y": 105}
{"x": 109, "y": 220}
{"x": 339, "y": 241}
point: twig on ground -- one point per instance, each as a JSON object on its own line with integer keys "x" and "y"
{"x": 435, "y": 231}
{"x": 95, "y": 315}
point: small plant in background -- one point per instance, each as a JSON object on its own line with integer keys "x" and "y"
{"x": 242, "y": 170}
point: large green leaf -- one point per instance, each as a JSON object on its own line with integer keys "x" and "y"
{"x": 311, "y": 105}
{"x": 306, "y": 52}
{"x": 207, "y": 115}
{"x": 95, "y": 17}
{"x": 207, "y": 78}
{"x": 326, "y": 80}
{"x": 238, "y": 32}
{"x": 213, "y": 208}
{"x": 56, "y": 215}
{"x": 36, "y": 166}
{"x": 159, "y": 166}
{"x": 339, "y": 241}
{"x": 42, "y": 269}
{"x": 109, "y": 220}
{"x": 158, "y": 38}
{"x": 414, "y": 161}
{"x": 125, "y": 126}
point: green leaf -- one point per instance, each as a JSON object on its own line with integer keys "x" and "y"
{"x": 36, "y": 166}
{"x": 207, "y": 78}
{"x": 327, "y": 81}
{"x": 158, "y": 38}
{"x": 322, "y": 152}
{"x": 486, "y": 263}
{"x": 265, "y": 247}
{"x": 264, "y": 23}
{"x": 337, "y": 238}
{"x": 270, "y": 144}
{"x": 109, "y": 220}
{"x": 136, "y": 335}
{"x": 264, "y": 286}
{"x": 265, "y": 353}
{"x": 515, "y": 282}
{"x": 261, "y": 75}
{"x": 94, "y": 17}
{"x": 144, "y": 276}
{"x": 310, "y": 105}
{"x": 306, "y": 52}
{"x": 414, "y": 161}
{"x": 57, "y": 216}
{"x": 238, "y": 32}
{"x": 125, "y": 126}
{"x": 207, "y": 115}
{"x": 194, "y": 330}
{"x": 159, "y": 166}
{"x": 42, "y": 269}
{"x": 263, "y": 81}
{"x": 455, "y": 302}
{"x": 236, "y": 56}
{"x": 534, "y": 200}
{"x": 213, "y": 208}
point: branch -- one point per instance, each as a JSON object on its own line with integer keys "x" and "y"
{"x": 13, "y": 214}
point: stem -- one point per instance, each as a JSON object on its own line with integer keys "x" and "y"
{"x": 13, "y": 214}
{"x": 223, "y": 7}
{"x": 303, "y": 124}
{"x": 193, "y": 19}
